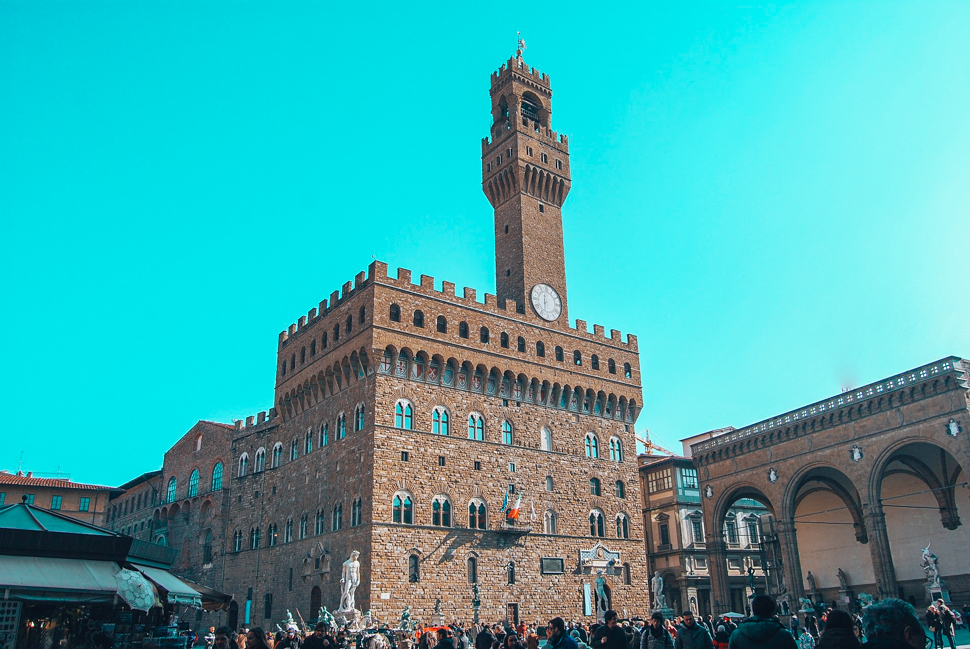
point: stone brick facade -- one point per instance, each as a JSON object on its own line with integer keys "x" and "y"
{"x": 381, "y": 356}
{"x": 131, "y": 509}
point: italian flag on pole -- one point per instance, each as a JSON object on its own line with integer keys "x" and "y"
{"x": 514, "y": 512}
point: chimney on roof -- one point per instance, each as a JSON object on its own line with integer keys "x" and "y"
{"x": 30, "y": 474}
{"x": 20, "y": 474}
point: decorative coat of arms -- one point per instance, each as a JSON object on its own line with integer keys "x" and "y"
{"x": 856, "y": 454}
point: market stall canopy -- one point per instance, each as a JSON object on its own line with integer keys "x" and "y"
{"x": 178, "y": 591}
{"x": 45, "y": 555}
{"x": 50, "y": 579}
{"x": 212, "y": 600}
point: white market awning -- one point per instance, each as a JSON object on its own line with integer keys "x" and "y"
{"x": 54, "y": 579}
{"x": 178, "y": 591}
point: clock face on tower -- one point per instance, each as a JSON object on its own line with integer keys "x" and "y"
{"x": 546, "y": 302}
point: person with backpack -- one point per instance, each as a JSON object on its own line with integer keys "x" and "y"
{"x": 656, "y": 636}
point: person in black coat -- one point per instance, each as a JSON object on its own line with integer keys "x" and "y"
{"x": 839, "y": 632}
{"x": 609, "y": 635}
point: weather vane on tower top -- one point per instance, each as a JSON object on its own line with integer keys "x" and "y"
{"x": 520, "y": 45}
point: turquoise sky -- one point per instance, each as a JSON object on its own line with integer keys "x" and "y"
{"x": 774, "y": 198}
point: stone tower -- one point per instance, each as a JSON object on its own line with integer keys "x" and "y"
{"x": 525, "y": 174}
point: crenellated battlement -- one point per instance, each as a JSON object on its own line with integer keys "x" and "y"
{"x": 253, "y": 421}
{"x": 518, "y": 67}
{"x": 337, "y": 298}
{"x": 549, "y": 137}
{"x": 377, "y": 273}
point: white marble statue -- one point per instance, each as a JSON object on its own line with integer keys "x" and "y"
{"x": 349, "y": 581}
{"x": 930, "y": 565}
{"x": 657, "y": 587}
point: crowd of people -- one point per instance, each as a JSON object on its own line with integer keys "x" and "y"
{"x": 887, "y": 624}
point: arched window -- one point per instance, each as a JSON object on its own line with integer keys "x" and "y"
{"x": 611, "y": 366}
{"x": 359, "y": 418}
{"x": 559, "y": 356}
{"x": 597, "y": 526}
{"x": 414, "y": 569}
{"x": 243, "y": 465}
{"x": 594, "y": 362}
{"x": 594, "y": 486}
{"x": 441, "y": 511}
{"x": 324, "y": 435}
{"x": 272, "y": 535}
{"x": 194, "y": 483}
{"x": 622, "y": 526}
{"x": 216, "y": 483}
{"x": 336, "y": 332}
{"x": 402, "y": 508}
{"x": 304, "y": 526}
{"x": 237, "y": 541}
{"x": 337, "y": 521}
{"x": 577, "y": 358}
{"x": 549, "y": 483}
{"x": 350, "y": 323}
{"x": 472, "y": 570}
{"x": 357, "y": 512}
{"x": 253, "y": 538}
{"x": 419, "y": 318}
{"x": 277, "y": 455}
{"x": 619, "y": 489}
{"x": 504, "y": 340}
{"x": 294, "y": 450}
{"x": 403, "y": 415}
{"x": 463, "y": 330}
{"x": 288, "y": 531}
{"x": 592, "y": 446}
{"x": 341, "y": 426}
{"x": 506, "y": 432}
{"x": 476, "y": 514}
{"x": 362, "y": 315}
{"x": 627, "y": 371}
{"x": 549, "y": 522}
{"x": 476, "y": 427}
{"x": 440, "y": 421}
{"x": 627, "y": 577}
{"x": 321, "y": 523}
{"x": 510, "y": 571}
{"x": 323, "y": 340}
{"x": 442, "y": 325}
{"x": 546, "y": 440}
{"x": 302, "y": 355}
{"x": 308, "y": 442}
{"x": 540, "y": 349}
{"x": 283, "y": 369}
{"x": 616, "y": 449}
{"x": 170, "y": 492}
{"x": 313, "y": 348}
{"x": 483, "y": 335}
{"x": 520, "y": 344}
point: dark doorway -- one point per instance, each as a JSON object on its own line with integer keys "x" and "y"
{"x": 232, "y": 621}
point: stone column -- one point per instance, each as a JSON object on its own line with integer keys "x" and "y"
{"x": 720, "y": 587}
{"x": 793, "y": 563}
{"x": 882, "y": 558}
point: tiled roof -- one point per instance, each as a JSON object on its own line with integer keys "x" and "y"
{"x": 29, "y": 481}
{"x": 217, "y": 423}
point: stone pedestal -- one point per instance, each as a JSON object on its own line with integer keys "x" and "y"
{"x": 667, "y": 612}
{"x": 845, "y": 598}
{"x": 936, "y": 590}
